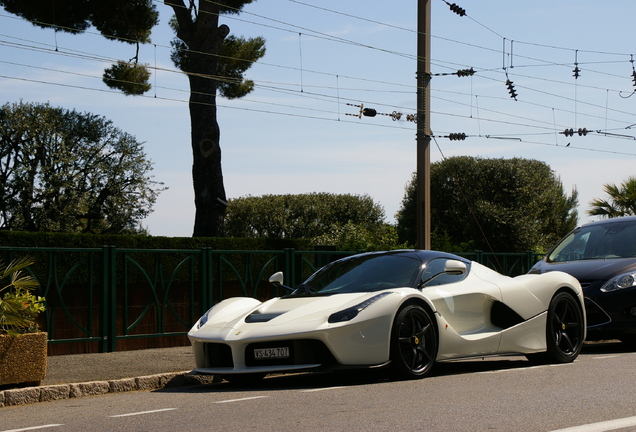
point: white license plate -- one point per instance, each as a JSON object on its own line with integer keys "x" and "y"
{"x": 271, "y": 353}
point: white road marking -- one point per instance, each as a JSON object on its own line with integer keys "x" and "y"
{"x": 515, "y": 369}
{"x": 510, "y": 370}
{"x": 604, "y": 357}
{"x": 240, "y": 400}
{"x": 602, "y": 426}
{"x": 34, "y": 428}
{"x": 320, "y": 389}
{"x": 143, "y": 412}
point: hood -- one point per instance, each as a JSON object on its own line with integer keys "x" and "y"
{"x": 282, "y": 310}
{"x": 593, "y": 269}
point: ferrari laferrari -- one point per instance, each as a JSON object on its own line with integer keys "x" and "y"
{"x": 403, "y": 310}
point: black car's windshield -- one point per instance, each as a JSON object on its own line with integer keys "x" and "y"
{"x": 365, "y": 273}
{"x": 597, "y": 241}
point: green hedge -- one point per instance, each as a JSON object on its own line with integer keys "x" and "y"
{"x": 62, "y": 240}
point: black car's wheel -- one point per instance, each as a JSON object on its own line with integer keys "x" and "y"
{"x": 564, "y": 330}
{"x": 413, "y": 343}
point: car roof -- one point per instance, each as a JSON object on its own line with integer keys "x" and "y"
{"x": 423, "y": 255}
{"x": 611, "y": 220}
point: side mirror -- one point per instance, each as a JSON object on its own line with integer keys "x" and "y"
{"x": 451, "y": 268}
{"x": 454, "y": 268}
{"x": 277, "y": 278}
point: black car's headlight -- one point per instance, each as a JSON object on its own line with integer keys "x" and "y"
{"x": 626, "y": 280}
{"x": 353, "y": 311}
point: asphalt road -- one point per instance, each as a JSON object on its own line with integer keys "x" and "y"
{"x": 495, "y": 394}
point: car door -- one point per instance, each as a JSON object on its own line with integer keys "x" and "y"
{"x": 463, "y": 304}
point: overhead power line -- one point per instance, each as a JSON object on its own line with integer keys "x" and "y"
{"x": 407, "y": 88}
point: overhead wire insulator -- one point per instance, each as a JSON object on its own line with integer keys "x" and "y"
{"x": 457, "y": 136}
{"x": 634, "y": 77}
{"x": 465, "y": 72}
{"x": 458, "y": 10}
{"x": 577, "y": 71}
{"x": 395, "y": 115}
{"x": 369, "y": 112}
{"x": 568, "y": 132}
{"x": 511, "y": 89}
{"x": 582, "y": 132}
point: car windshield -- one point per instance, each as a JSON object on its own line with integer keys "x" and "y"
{"x": 597, "y": 241}
{"x": 365, "y": 273}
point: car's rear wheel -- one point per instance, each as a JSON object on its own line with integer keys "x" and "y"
{"x": 413, "y": 343}
{"x": 564, "y": 330}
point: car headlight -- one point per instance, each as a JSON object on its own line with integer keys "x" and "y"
{"x": 353, "y": 311}
{"x": 204, "y": 318}
{"x": 626, "y": 280}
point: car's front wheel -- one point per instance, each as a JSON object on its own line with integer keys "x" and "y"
{"x": 564, "y": 330}
{"x": 413, "y": 343}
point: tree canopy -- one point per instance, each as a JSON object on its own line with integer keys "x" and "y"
{"x": 212, "y": 61}
{"x": 621, "y": 200}
{"x": 347, "y": 221}
{"x": 63, "y": 171}
{"x": 500, "y": 205}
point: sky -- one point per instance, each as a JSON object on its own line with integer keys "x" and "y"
{"x": 298, "y": 131}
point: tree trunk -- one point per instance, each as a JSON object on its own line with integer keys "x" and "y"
{"x": 207, "y": 176}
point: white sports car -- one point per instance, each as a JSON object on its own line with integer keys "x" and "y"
{"x": 400, "y": 309}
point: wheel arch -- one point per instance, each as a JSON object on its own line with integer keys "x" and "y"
{"x": 425, "y": 305}
{"x": 566, "y": 288}
{"x": 579, "y": 300}
{"x": 573, "y": 293}
{"x": 428, "y": 356}
{"x": 562, "y": 344}
{"x": 420, "y": 302}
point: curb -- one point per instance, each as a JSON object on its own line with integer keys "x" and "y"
{"x": 31, "y": 395}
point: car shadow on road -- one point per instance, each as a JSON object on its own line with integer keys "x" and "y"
{"x": 318, "y": 380}
{"x": 292, "y": 381}
{"x": 607, "y": 347}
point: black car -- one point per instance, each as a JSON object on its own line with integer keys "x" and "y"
{"x": 602, "y": 256}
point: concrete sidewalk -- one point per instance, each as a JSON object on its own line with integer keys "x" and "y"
{"x": 79, "y": 375}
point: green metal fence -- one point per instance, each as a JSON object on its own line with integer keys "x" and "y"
{"x": 107, "y": 299}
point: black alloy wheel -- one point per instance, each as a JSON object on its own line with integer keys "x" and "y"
{"x": 564, "y": 330}
{"x": 413, "y": 343}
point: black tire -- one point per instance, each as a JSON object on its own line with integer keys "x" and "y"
{"x": 628, "y": 341}
{"x": 413, "y": 343}
{"x": 564, "y": 331}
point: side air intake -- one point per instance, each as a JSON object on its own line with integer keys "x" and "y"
{"x": 504, "y": 317}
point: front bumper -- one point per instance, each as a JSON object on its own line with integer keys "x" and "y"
{"x": 221, "y": 358}
{"x": 610, "y": 315}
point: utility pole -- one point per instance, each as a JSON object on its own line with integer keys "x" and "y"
{"x": 423, "y": 136}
